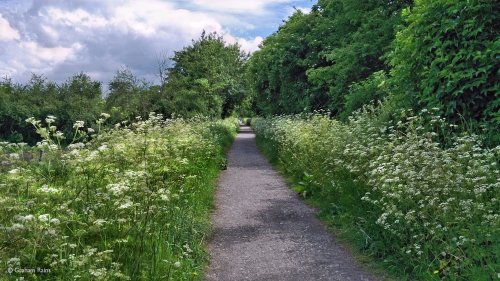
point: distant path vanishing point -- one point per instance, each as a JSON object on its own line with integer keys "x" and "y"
{"x": 263, "y": 231}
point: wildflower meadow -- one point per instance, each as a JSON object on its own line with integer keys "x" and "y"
{"x": 407, "y": 193}
{"x": 130, "y": 202}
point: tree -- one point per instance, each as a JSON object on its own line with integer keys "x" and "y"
{"x": 361, "y": 34}
{"x": 313, "y": 59}
{"x": 277, "y": 72}
{"x": 130, "y": 97}
{"x": 81, "y": 99}
{"x": 206, "y": 78}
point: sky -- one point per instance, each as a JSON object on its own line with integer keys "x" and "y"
{"x": 60, "y": 38}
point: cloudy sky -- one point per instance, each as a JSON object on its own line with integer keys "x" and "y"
{"x": 59, "y": 38}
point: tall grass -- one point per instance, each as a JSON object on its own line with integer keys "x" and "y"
{"x": 132, "y": 203}
{"x": 426, "y": 210}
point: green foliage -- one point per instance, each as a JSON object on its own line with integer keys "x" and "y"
{"x": 79, "y": 98}
{"x": 312, "y": 60}
{"x": 131, "y": 204}
{"x": 371, "y": 90}
{"x": 447, "y": 57}
{"x": 130, "y": 97}
{"x": 277, "y": 72}
{"x": 427, "y": 212}
{"x": 360, "y": 34}
{"x": 206, "y": 79}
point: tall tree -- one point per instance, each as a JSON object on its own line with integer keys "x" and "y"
{"x": 206, "y": 78}
{"x": 313, "y": 59}
{"x": 130, "y": 96}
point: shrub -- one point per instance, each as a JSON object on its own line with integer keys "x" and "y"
{"x": 447, "y": 57}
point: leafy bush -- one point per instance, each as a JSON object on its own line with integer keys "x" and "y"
{"x": 366, "y": 91}
{"x": 131, "y": 204}
{"x": 428, "y": 212}
{"x": 447, "y": 57}
{"x": 79, "y": 98}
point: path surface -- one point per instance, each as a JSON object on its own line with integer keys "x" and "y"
{"x": 263, "y": 231}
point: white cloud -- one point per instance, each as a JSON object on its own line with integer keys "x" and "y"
{"x": 78, "y": 17}
{"x": 59, "y": 38}
{"x": 240, "y": 7}
{"x": 52, "y": 55}
{"x": 6, "y": 30}
{"x": 248, "y": 46}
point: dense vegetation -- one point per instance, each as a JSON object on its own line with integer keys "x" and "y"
{"x": 205, "y": 79}
{"x": 427, "y": 212}
{"x": 132, "y": 203}
{"x": 419, "y": 193}
{"x": 348, "y": 53}
{"x": 79, "y": 98}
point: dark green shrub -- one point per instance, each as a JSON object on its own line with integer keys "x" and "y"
{"x": 364, "y": 92}
{"x": 447, "y": 57}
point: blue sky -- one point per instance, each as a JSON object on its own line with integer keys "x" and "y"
{"x": 59, "y": 38}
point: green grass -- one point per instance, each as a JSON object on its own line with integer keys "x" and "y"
{"x": 132, "y": 203}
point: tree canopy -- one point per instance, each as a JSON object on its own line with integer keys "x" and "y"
{"x": 207, "y": 78}
{"x": 313, "y": 59}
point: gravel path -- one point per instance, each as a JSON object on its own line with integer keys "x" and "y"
{"x": 263, "y": 231}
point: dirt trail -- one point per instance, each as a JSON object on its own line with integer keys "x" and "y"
{"x": 263, "y": 231}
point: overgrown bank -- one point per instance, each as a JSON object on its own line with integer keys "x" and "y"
{"x": 425, "y": 211}
{"x": 131, "y": 204}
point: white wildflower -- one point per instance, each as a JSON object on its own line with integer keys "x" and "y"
{"x": 14, "y": 156}
{"x": 100, "y": 222}
{"x": 59, "y": 135}
{"x": 97, "y": 272}
{"x": 49, "y": 190}
{"x": 30, "y": 120}
{"x": 77, "y": 145}
{"x": 14, "y": 262}
{"x": 44, "y": 217}
{"x": 78, "y": 124}
{"x": 16, "y": 227}
{"x": 27, "y": 218}
{"x": 50, "y": 119}
{"x": 125, "y": 205}
{"x": 117, "y": 189}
